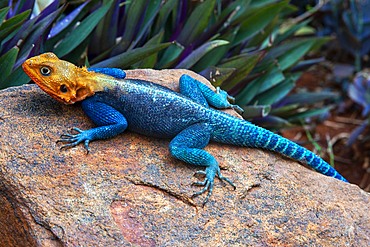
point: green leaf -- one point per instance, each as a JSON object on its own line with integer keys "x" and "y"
{"x": 253, "y": 111}
{"x": 309, "y": 97}
{"x": 134, "y": 13}
{"x": 170, "y": 56}
{"x": 19, "y": 34}
{"x": 150, "y": 61}
{"x": 75, "y": 55}
{"x": 295, "y": 54}
{"x": 263, "y": 39}
{"x": 105, "y": 34}
{"x": 299, "y": 117}
{"x": 319, "y": 42}
{"x": 237, "y": 11}
{"x": 68, "y": 26}
{"x": 258, "y": 21}
{"x": 196, "y": 23}
{"x": 7, "y": 62}
{"x": 40, "y": 29}
{"x": 3, "y": 13}
{"x": 286, "y": 110}
{"x": 259, "y": 3}
{"x": 243, "y": 64}
{"x": 16, "y": 78}
{"x": 128, "y": 58}
{"x": 273, "y": 76}
{"x": 306, "y": 30}
{"x": 274, "y": 122}
{"x": 213, "y": 57}
{"x": 268, "y": 84}
{"x": 197, "y": 54}
{"x": 217, "y": 75}
{"x": 13, "y": 23}
{"x": 286, "y": 47}
{"x": 3, "y": 3}
{"x": 276, "y": 93}
{"x": 288, "y": 29}
{"x": 151, "y": 12}
{"x": 163, "y": 14}
{"x": 82, "y": 31}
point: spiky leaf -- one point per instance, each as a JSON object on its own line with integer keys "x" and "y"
{"x": 126, "y": 59}
{"x": 7, "y": 62}
{"x": 82, "y": 31}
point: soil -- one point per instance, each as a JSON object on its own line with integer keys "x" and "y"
{"x": 352, "y": 161}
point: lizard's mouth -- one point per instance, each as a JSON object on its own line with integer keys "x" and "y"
{"x": 60, "y": 99}
{"x": 52, "y": 93}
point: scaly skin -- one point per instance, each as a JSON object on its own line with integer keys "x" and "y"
{"x": 116, "y": 104}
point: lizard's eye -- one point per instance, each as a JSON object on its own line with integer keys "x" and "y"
{"x": 46, "y": 71}
{"x": 63, "y": 88}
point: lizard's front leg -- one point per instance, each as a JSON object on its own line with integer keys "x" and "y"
{"x": 110, "y": 121}
{"x": 188, "y": 146}
{"x": 116, "y": 73}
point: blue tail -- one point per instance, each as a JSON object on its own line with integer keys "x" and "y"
{"x": 267, "y": 140}
{"x": 244, "y": 133}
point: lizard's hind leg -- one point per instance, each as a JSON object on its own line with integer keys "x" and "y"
{"x": 202, "y": 94}
{"x": 188, "y": 146}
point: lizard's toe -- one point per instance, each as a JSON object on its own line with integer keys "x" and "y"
{"x": 71, "y": 140}
{"x": 77, "y": 129}
{"x": 208, "y": 182}
{"x": 208, "y": 185}
{"x": 86, "y": 145}
{"x": 69, "y": 145}
{"x": 221, "y": 177}
{"x": 200, "y": 172}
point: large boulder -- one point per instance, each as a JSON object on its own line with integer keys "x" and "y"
{"x": 129, "y": 191}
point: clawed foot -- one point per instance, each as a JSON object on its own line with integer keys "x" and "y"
{"x": 229, "y": 100}
{"x": 208, "y": 181}
{"x": 74, "y": 139}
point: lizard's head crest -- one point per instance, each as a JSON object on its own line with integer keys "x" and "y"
{"x": 62, "y": 80}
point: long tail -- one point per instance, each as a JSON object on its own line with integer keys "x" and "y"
{"x": 246, "y": 134}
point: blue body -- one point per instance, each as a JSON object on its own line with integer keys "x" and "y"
{"x": 187, "y": 120}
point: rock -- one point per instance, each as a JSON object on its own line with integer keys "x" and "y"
{"x": 128, "y": 191}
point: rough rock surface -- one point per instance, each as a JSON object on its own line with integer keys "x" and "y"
{"x": 129, "y": 192}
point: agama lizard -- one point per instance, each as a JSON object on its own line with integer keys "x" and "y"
{"x": 115, "y": 104}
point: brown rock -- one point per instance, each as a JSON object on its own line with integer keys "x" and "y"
{"x": 129, "y": 192}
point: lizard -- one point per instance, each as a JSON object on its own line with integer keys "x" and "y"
{"x": 189, "y": 118}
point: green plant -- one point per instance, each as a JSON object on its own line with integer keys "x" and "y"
{"x": 349, "y": 20}
{"x": 248, "y": 47}
{"x": 359, "y": 92}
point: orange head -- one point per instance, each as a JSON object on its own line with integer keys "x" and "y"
{"x": 60, "y": 79}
